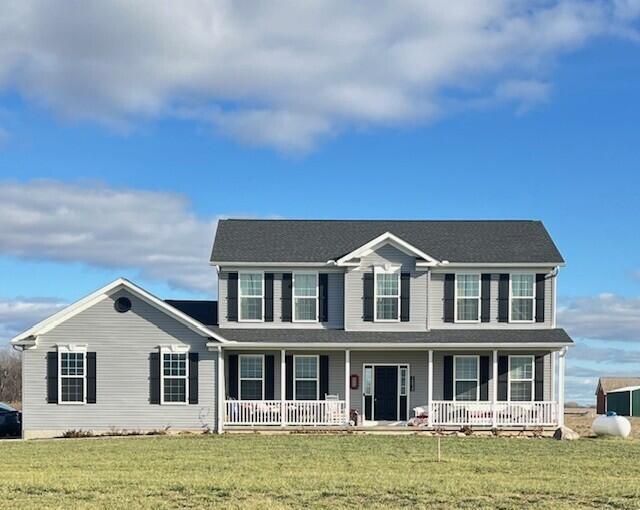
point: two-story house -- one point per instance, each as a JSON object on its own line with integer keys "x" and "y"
{"x": 317, "y": 323}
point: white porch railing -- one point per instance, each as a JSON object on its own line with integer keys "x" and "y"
{"x": 295, "y": 412}
{"x": 507, "y": 414}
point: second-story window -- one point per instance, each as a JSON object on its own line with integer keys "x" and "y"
{"x": 467, "y": 297}
{"x": 522, "y": 297}
{"x": 251, "y": 296}
{"x": 387, "y": 290}
{"x": 305, "y": 297}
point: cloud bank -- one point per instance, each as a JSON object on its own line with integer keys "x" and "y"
{"x": 286, "y": 74}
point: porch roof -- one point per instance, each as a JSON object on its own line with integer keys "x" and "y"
{"x": 487, "y": 337}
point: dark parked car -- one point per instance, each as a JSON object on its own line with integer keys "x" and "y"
{"x": 10, "y": 421}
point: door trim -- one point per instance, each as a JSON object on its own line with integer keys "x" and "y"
{"x": 373, "y": 388}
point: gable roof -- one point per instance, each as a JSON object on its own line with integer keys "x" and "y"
{"x": 609, "y": 384}
{"x": 27, "y": 338}
{"x": 387, "y": 238}
{"x": 319, "y": 241}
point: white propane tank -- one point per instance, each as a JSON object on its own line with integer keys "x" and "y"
{"x": 611, "y": 425}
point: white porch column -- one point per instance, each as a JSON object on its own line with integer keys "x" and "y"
{"x": 283, "y": 388}
{"x": 347, "y": 384}
{"x": 221, "y": 393}
{"x": 554, "y": 356}
{"x": 494, "y": 390}
{"x": 430, "y": 389}
{"x": 561, "y": 363}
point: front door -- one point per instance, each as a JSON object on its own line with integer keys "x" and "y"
{"x": 385, "y": 401}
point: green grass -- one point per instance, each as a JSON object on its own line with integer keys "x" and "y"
{"x": 327, "y": 471}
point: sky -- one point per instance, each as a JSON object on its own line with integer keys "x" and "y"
{"x": 129, "y": 129}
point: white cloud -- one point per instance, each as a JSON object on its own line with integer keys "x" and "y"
{"x": 20, "y": 314}
{"x": 284, "y": 74}
{"x": 526, "y": 93}
{"x": 603, "y": 317}
{"x": 154, "y": 233}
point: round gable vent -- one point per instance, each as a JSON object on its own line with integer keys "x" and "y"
{"x": 123, "y": 304}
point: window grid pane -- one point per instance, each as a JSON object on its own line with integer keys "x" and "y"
{"x": 251, "y": 389}
{"x": 466, "y": 368}
{"x": 306, "y": 390}
{"x": 368, "y": 380}
{"x": 468, "y": 309}
{"x": 521, "y": 367}
{"x": 305, "y": 309}
{"x": 251, "y": 367}
{"x": 387, "y": 284}
{"x": 175, "y": 390}
{"x": 403, "y": 381}
{"x": 522, "y": 285}
{"x": 72, "y": 363}
{"x": 522, "y": 309}
{"x": 306, "y": 367}
{"x": 304, "y": 285}
{"x": 251, "y": 284}
{"x": 387, "y": 308}
{"x": 72, "y": 389}
{"x": 466, "y": 390}
{"x": 521, "y": 391}
{"x": 468, "y": 285}
{"x": 251, "y": 308}
{"x": 175, "y": 365}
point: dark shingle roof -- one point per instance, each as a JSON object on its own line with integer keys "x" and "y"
{"x": 322, "y": 240}
{"x": 485, "y": 336}
{"x": 205, "y": 312}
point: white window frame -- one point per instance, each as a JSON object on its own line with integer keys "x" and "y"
{"x": 383, "y": 270}
{"x": 174, "y": 349}
{"x": 532, "y": 380}
{"x": 407, "y": 382}
{"x": 72, "y": 349}
{"x": 240, "y": 378}
{"x": 532, "y": 298}
{"x": 293, "y": 296}
{"x": 296, "y": 378}
{"x": 477, "y": 379}
{"x": 240, "y": 296}
{"x": 456, "y": 297}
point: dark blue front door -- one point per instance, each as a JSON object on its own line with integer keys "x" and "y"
{"x": 385, "y": 405}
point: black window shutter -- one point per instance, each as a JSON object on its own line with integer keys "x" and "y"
{"x": 323, "y": 294}
{"x": 232, "y": 297}
{"x": 269, "y": 377}
{"x": 193, "y": 377}
{"x": 503, "y": 377}
{"x": 367, "y": 297}
{"x": 448, "y": 378}
{"x": 485, "y": 300}
{"x": 449, "y": 295}
{"x": 154, "y": 378}
{"x": 287, "y": 289}
{"x": 288, "y": 361}
{"x": 405, "y": 294}
{"x": 52, "y": 377}
{"x": 484, "y": 377}
{"x": 503, "y": 298}
{"x": 324, "y": 376}
{"x": 268, "y": 297}
{"x": 91, "y": 378}
{"x": 540, "y": 281}
{"x": 539, "y": 378}
{"x": 232, "y": 361}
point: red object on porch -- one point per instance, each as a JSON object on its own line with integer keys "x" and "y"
{"x": 354, "y": 381}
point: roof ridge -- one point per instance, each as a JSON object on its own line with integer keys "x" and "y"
{"x": 509, "y": 220}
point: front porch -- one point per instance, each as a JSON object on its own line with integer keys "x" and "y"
{"x": 356, "y": 389}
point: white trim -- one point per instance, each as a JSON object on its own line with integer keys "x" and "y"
{"x": 329, "y": 263}
{"x": 296, "y": 378}
{"x": 477, "y": 379}
{"x": 395, "y": 270}
{"x": 532, "y": 298}
{"x": 283, "y": 387}
{"x": 252, "y": 296}
{"x": 532, "y": 380}
{"x": 430, "y": 387}
{"x": 384, "y": 346}
{"x": 230, "y": 264}
{"x": 373, "y": 388}
{"x": 456, "y": 297}
{"x": 87, "y": 302}
{"x": 293, "y": 296}
{"x": 626, "y": 388}
{"x": 72, "y": 349}
{"x": 387, "y": 238}
{"x": 494, "y": 388}
{"x": 221, "y": 392}
{"x": 169, "y": 350}
{"x": 542, "y": 265}
{"x": 347, "y": 383}
{"x": 240, "y": 378}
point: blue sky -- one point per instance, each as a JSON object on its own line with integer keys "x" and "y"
{"x": 555, "y": 139}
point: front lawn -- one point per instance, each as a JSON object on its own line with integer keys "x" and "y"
{"x": 330, "y": 471}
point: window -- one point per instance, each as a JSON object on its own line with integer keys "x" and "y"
{"x": 465, "y": 375}
{"x": 305, "y": 297}
{"x": 387, "y": 295}
{"x": 521, "y": 378}
{"x": 404, "y": 376}
{"x": 367, "y": 385}
{"x": 306, "y": 377}
{"x": 251, "y": 377}
{"x": 522, "y": 297}
{"x": 467, "y": 297}
{"x": 251, "y": 298}
{"x": 72, "y": 377}
{"x": 174, "y": 377}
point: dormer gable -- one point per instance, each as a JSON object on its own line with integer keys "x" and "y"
{"x": 422, "y": 259}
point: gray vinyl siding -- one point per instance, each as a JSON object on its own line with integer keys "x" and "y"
{"x": 355, "y": 292}
{"x": 122, "y": 343}
{"x": 335, "y": 299}
{"x": 336, "y": 368}
{"x": 436, "y": 302}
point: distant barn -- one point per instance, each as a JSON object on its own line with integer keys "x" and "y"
{"x": 619, "y": 394}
